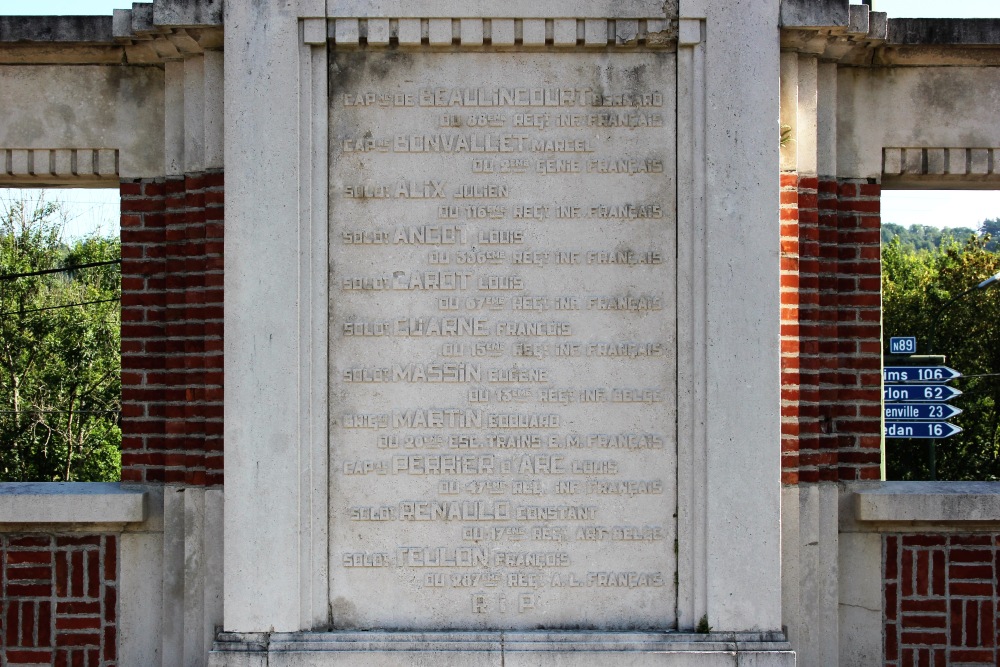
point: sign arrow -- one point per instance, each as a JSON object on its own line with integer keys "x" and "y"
{"x": 921, "y": 411}
{"x": 925, "y": 430}
{"x": 896, "y": 393}
{"x": 894, "y": 374}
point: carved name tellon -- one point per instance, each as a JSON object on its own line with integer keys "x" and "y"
{"x": 502, "y": 340}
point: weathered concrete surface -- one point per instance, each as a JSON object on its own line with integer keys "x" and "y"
{"x": 59, "y": 29}
{"x": 264, "y": 490}
{"x": 171, "y": 579}
{"x": 810, "y": 571}
{"x": 91, "y": 107}
{"x": 510, "y": 8}
{"x": 929, "y": 501}
{"x": 966, "y": 32}
{"x": 70, "y": 502}
{"x": 454, "y": 649}
{"x": 860, "y": 599}
{"x": 741, "y": 167}
{"x": 814, "y": 13}
{"x": 913, "y": 107}
{"x": 188, "y": 12}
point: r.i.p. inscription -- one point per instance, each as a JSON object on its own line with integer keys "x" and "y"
{"x": 502, "y": 341}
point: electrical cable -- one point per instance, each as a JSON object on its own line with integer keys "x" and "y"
{"x": 49, "y": 412}
{"x": 12, "y": 276}
{"x": 65, "y": 305}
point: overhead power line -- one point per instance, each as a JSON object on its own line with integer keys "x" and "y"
{"x": 56, "y": 412}
{"x": 12, "y": 276}
{"x": 65, "y": 305}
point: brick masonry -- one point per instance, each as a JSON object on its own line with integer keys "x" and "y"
{"x": 60, "y": 600}
{"x": 830, "y": 329}
{"x": 172, "y": 328}
{"x": 941, "y": 603}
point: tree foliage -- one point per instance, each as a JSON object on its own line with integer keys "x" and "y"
{"x": 60, "y": 386}
{"x": 923, "y": 237}
{"x": 921, "y": 297}
{"x": 992, "y": 228}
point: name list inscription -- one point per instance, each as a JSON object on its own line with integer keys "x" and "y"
{"x": 502, "y": 341}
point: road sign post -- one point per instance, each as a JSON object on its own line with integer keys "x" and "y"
{"x": 915, "y": 397}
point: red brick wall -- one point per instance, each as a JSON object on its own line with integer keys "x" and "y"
{"x": 172, "y": 308}
{"x": 830, "y": 330}
{"x": 941, "y": 599}
{"x": 60, "y": 600}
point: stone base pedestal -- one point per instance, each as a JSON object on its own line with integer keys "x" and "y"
{"x": 510, "y": 649}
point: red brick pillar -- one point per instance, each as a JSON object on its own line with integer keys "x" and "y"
{"x": 830, "y": 330}
{"x": 791, "y": 359}
{"x": 859, "y": 288}
{"x": 143, "y": 236}
{"x": 172, "y": 331}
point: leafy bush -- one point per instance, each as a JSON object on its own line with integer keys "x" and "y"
{"x": 60, "y": 367}
{"x": 921, "y": 297}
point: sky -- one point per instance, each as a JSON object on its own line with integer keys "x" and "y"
{"x": 904, "y": 207}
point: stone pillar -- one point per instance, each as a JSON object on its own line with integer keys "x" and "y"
{"x": 281, "y": 484}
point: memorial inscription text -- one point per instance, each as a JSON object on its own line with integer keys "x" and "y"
{"x": 502, "y": 340}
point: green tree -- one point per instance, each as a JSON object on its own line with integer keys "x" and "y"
{"x": 991, "y": 227}
{"x": 923, "y": 237}
{"x": 919, "y": 291}
{"x": 60, "y": 386}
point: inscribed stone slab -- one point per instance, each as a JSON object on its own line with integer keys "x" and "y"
{"x": 502, "y": 348}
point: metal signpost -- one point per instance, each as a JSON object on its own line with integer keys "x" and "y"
{"x": 916, "y": 399}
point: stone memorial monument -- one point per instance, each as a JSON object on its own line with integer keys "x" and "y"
{"x": 523, "y": 333}
{"x": 495, "y": 340}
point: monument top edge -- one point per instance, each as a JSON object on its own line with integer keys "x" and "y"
{"x": 507, "y": 641}
{"x": 582, "y": 9}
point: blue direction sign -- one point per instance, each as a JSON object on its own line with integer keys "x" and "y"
{"x": 922, "y": 393}
{"x": 896, "y": 374}
{"x": 903, "y": 345}
{"x": 926, "y": 430}
{"x": 928, "y": 411}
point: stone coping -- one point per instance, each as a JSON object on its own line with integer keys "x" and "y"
{"x": 72, "y": 29}
{"x": 941, "y": 502}
{"x": 70, "y": 502}
{"x": 955, "y": 32}
{"x": 503, "y": 641}
{"x": 147, "y": 17}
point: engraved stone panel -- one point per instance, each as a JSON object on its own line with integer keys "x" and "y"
{"x": 502, "y": 346}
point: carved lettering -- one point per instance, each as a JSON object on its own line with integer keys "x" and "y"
{"x": 502, "y": 322}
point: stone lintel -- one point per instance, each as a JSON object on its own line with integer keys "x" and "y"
{"x": 874, "y": 39}
{"x": 945, "y": 502}
{"x": 70, "y": 502}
